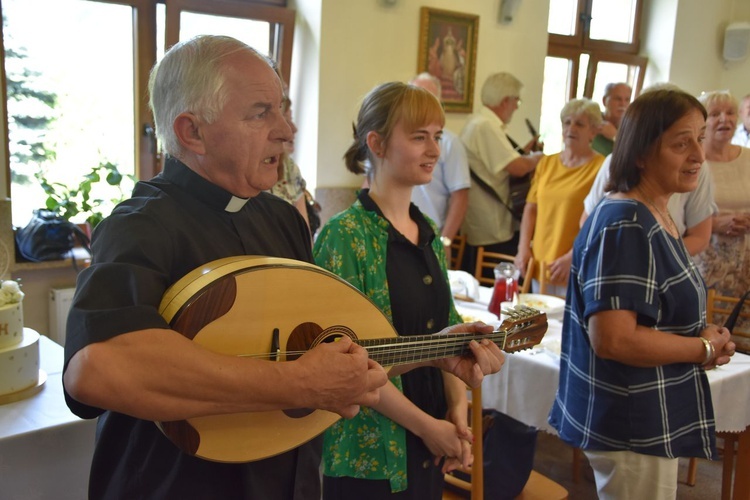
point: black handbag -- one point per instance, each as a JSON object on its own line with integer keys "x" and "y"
{"x": 48, "y": 236}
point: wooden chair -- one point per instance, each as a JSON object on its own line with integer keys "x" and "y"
{"x": 543, "y": 277}
{"x": 718, "y": 308}
{"x": 488, "y": 260}
{"x": 458, "y": 245}
{"x": 538, "y": 487}
{"x": 476, "y": 486}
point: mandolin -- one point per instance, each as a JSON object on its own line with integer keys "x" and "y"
{"x": 276, "y": 309}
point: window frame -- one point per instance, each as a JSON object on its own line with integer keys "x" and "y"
{"x": 571, "y": 47}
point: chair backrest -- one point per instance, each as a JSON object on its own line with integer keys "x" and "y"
{"x": 458, "y": 245}
{"x": 526, "y": 282}
{"x": 488, "y": 260}
{"x": 543, "y": 277}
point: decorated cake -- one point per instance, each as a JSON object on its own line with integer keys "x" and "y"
{"x": 19, "y": 348}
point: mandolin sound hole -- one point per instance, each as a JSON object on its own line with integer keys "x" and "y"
{"x": 304, "y": 337}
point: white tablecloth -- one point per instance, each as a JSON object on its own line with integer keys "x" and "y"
{"x": 525, "y": 388}
{"x": 45, "y": 450}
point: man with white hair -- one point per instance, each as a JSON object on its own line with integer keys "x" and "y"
{"x": 217, "y": 104}
{"x": 445, "y": 198}
{"x": 493, "y": 160}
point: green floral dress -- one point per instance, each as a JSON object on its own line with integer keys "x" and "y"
{"x": 353, "y": 245}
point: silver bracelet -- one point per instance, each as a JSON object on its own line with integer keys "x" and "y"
{"x": 710, "y": 351}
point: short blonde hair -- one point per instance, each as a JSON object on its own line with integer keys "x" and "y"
{"x": 708, "y": 99}
{"x": 585, "y": 107}
{"x": 383, "y": 107}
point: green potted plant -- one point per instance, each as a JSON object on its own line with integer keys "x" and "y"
{"x": 79, "y": 201}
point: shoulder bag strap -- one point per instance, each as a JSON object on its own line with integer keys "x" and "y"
{"x": 482, "y": 184}
{"x": 515, "y": 145}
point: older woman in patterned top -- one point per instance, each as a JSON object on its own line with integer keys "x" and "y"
{"x": 725, "y": 265}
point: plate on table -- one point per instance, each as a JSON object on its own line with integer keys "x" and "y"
{"x": 464, "y": 286}
{"x": 553, "y": 306}
{"x": 469, "y": 315}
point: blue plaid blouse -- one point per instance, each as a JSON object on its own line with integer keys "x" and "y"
{"x": 624, "y": 260}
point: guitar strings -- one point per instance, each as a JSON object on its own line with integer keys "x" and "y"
{"x": 404, "y": 346}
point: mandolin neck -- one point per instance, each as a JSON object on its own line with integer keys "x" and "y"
{"x": 415, "y": 348}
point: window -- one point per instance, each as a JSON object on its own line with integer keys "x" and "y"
{"x": 591, "y": 43}
{"x": 70, "y": 103}
{"x": 76, "y": 96}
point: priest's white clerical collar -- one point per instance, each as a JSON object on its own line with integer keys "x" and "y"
{"x": 235, "y": 204}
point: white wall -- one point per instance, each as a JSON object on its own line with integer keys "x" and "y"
{"x": 363, "y": 43}
{"x": 736, "y": 75}
{"x": 305, "y": 84}
{"x": 684, "y": 40}
{"x": 657, "y": 40}
{"x": 348, "y": 47}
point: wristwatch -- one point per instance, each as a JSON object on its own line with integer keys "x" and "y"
{"x": 445, "y": 241}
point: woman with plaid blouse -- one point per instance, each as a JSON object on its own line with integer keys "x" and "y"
{"x": 633, "y": 390}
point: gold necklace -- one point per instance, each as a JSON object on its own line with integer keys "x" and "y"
{"x": 668, "y": 222}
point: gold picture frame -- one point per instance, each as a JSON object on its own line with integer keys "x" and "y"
{"x": 448, "y": 51}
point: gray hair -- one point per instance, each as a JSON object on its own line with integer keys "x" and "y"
{"x": 430, "y": 78}
{"x": 611, "y": 86}
{"x": 499, "y": 86}
{"x": 585, "y": 107}
{"x": 189, "y": 78}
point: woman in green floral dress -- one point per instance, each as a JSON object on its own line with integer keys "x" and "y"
{"x": 388, "y": 249}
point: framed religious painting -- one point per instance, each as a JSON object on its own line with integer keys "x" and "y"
{"x": 448, "y": 51}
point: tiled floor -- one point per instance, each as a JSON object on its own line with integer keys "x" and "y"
{"x": 553, "y": 458}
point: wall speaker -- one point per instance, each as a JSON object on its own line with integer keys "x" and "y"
{"x": 508, "y": 9}
{"x": 736, "y": 40}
